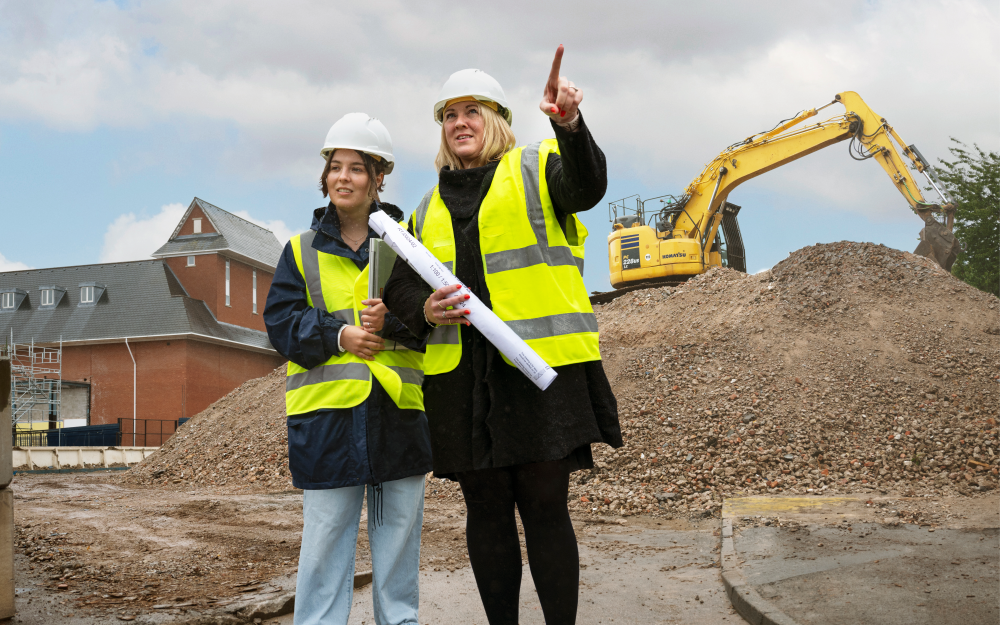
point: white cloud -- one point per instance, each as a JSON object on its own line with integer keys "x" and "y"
{"x": 277, "y": 226}
{"x": 136, "y": 238}
{"x": 667, "y": 85}
{"x": 11, "y": 265}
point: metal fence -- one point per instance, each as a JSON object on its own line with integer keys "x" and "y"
{"x": 147, "y": 433}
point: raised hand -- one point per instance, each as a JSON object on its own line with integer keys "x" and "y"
{"x": 560, "y": 98}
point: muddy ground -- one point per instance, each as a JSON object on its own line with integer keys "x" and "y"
{"x": 113, "y": 548}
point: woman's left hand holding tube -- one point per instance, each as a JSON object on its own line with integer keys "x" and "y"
{"x": 443, "y": 306}
{"x": 560, "y": 98}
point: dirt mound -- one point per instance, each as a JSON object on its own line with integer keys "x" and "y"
{"x": 239, "y": 443}
{"x": 847, "y": 367}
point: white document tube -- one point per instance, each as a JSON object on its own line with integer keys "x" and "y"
{"x": 437, "y": 275}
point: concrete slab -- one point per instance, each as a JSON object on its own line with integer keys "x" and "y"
{"x": 818, "y": 561}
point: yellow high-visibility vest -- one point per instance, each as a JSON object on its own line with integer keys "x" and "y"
{"x": 534, "y": 270}
{"x": 336, "y": 285}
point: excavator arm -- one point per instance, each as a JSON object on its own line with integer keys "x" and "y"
{"x": 871, "y": 136}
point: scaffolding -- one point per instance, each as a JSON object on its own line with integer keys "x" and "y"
{"x": 35, "y": 381}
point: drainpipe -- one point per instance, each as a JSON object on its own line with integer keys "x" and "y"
{"x": 133, "y": 389}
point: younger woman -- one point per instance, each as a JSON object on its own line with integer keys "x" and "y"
{"x": 355, "y": 412}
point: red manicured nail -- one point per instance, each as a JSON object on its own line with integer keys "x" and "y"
{"x": 465, "y": 312}
{"x": 555, "y": 110}
{"x": 562, "y": 113}
{"x": 468, "y": 323}
{"x": 467, "y": 296}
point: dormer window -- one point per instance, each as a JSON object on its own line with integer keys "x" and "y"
{"x": 11, "y": 299}
{"x": 197, "y": 225}
{"x": 91, "y": 293}
{"x": 50, "y": 296}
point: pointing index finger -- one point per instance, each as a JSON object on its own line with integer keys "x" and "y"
{"x": 556, "y": 63}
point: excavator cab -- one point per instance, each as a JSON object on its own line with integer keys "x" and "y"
{"x": 646, "y": 248}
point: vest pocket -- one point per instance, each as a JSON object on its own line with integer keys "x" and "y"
{"x": 492, "y": 229}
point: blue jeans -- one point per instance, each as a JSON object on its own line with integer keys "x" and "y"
{"x": 324, "y": 588}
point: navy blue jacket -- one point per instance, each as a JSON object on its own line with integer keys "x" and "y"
{"x": 372, "y": 442}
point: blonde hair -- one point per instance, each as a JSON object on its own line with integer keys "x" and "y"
{"x": 498, "y": 139}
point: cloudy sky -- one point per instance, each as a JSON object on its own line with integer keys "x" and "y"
{"x": 113, "y": 115}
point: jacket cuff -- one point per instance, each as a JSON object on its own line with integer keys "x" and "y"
{"x": 332, "y": 327}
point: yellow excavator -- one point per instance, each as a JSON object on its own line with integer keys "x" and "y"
{"x": 681, "y": 238}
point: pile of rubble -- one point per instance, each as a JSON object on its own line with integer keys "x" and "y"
{"x": 848, "y": 367}
{"x": 238, "y": 444}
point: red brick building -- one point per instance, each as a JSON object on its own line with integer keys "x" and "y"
{"x": 190, "y": 319}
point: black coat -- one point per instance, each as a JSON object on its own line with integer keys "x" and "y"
{"x": 372, "y": 442}
{"x": 485, "y": 413}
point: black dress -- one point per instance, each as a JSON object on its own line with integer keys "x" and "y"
{"x": 485, "y": 413}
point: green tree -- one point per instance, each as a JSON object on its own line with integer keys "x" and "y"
{"x": 973, "y": 180}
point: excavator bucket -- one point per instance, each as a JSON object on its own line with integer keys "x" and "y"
{"x": 938, "y": 243}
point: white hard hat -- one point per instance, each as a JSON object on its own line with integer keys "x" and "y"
{"x": 357, "y": 131}
{"x": 473, "y": 83}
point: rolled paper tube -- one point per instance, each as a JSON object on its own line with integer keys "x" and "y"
{"x": 486, "y": 321}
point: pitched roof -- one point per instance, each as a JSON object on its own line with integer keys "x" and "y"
{"x": 141, "y": 299}
{"x": 235, "y": 235}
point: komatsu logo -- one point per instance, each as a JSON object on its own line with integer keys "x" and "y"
{"x": 677, "y": 255}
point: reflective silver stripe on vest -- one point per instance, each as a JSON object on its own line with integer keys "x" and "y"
{"x": 310, "y": 265}
{"x": 450, "y": 265}
{"x": 541, "y": 252}
{"x": 327, "y": 373}
{"x": 554, "y": 325}
{"x": 409, "y": 376}
{"x": 346, "y": 314}
{"x": 444, "y": 335}
{"x": 420, "y": 214}
{"x": 579, "y": 264}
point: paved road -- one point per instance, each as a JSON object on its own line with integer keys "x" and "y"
{"x": 823, "y": 564}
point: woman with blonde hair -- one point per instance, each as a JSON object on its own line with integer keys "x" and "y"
{"x": 504, "y": 219}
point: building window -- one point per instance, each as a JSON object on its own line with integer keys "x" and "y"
{"x": 6, "y": 300}
{"x": 86, "y": 295}
{"x": 48, "y": 297}
{"x": 227, "y": 283}
{"x": 197, "y": 226}
{"x": 255, "y": 291}
{"x": 190, "y": 261}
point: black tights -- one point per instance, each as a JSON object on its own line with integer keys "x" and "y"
{"x": 539, "y": 491}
